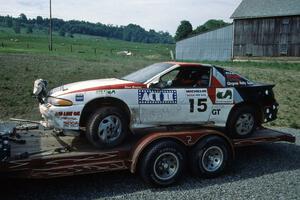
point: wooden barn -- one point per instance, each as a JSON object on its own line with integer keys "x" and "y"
{"x": 267, "y": 28}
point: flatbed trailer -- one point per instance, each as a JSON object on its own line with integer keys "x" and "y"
{"x": 160, "y": 156}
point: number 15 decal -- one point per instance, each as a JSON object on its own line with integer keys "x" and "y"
{"x": 202, "y": 106}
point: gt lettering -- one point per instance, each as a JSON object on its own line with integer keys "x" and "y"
{"x": 202, "y": 106}
{"x": 215, "y": 111}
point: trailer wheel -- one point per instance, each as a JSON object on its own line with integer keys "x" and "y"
{"x": 107, "y": 127}
{"x": 163, "y": 163}
{"x": 242, "y": 122}
{"x": 210, "y": 157}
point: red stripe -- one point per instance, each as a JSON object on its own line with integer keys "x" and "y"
{"x": 110, "y": 87}
{"x": 233, "y": 76}
{"x": 212, "y": 94}
{"x": 215, "y": 82}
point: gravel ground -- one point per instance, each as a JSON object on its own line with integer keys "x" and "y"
{"x": 262, "y": 172}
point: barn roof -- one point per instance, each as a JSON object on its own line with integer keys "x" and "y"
{"x": 266, "y": 8}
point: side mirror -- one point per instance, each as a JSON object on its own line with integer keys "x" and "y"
{"x": 155, "y": 85}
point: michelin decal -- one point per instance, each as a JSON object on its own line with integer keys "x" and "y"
{"x": 199, "y": 93}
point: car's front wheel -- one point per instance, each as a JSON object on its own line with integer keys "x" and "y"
{"x": 107, "y": 127}
{"x": 242, "y": 122}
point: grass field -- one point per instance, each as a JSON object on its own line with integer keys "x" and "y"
{"x": 25, "y": 58}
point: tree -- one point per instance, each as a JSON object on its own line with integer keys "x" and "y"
{"x": 9, "y": 21}
{"x": 23, "y": 18}
{"x": 29, "y": 29}
{"x": 17, "y": 28}
{"x": 184, "y": 29}
{"x": 210, "y": 25}
{"x": 62, "y": 32}
{"x": 39, "y": 20}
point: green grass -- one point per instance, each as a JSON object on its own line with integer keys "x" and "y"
{"x": 20, "y": 66}
{"x": 81, "y": 46}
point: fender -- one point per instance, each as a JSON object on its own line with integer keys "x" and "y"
{"x": 186, "y": 138}
{"x": 112, "y": 100}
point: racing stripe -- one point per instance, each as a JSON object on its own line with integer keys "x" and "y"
{"x": 219, "y": 76}
{"x": 237, "y": 97}
{"x": 109, "y": 87}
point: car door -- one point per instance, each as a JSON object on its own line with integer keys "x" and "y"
{"x": 172, "y": 103}
{"x": 197, "y": 101}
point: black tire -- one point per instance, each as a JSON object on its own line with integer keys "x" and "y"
{"x": 152, "y": 161}
{"x": 242, "y": 112}
{"x": 211, "y": 146}
{"x": 101, "y": 115}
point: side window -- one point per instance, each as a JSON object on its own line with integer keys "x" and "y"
{"x": 189, "y": 77}
{"x": 168, "y": 78}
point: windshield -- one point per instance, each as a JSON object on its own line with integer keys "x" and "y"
{"x": 142, "y": 75}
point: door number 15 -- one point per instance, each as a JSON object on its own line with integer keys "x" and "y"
{"x": 201, "y": 105}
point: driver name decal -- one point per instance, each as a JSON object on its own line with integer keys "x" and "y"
{"x": 157, "y": 96}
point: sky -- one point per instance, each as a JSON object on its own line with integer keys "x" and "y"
{"x": 160, "y": 15}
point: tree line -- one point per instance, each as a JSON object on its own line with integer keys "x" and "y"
{"x": 185, "y": 29}
{"x": 131, "y": 32}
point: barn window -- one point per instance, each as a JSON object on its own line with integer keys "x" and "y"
{"x": 286, "y": 21}
{"x": 283, "y": 49}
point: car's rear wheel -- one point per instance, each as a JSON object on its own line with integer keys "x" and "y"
{"x": 242, "y": 122}
{"x": 107, "y": 127}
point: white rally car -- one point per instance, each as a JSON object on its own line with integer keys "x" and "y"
{"x": 162, "y": 94}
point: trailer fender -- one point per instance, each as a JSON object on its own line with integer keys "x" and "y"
{"x": 186, "y": 138}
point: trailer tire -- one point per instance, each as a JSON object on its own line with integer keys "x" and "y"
{"x": 107, "y": 127}
{"x": 210, "y": 157}
{"x": 163, "y": 163}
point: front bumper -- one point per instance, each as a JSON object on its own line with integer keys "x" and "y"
{"x": 61, "y": 117}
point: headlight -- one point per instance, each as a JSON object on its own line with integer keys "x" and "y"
{"x": 59, "y": 102}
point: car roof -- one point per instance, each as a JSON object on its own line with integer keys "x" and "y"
{"x": 188, "y": 64}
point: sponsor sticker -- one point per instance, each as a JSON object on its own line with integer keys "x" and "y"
{"x": 109, "y": 92}
{"x": 157, "y": 96}
{"x": 79, "y": 97}
{"x": 234, "y": 79}
{"x": 224, "y": 95}
{"x": 199, "y": 93}
{"x": 71, "y": 124}
{"x": 68, "y": 113}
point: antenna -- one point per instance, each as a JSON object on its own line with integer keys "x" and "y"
{"x": 50, "y": 28}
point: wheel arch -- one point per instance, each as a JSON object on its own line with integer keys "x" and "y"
{"x": 257, "y": 106}
{"x": 100, "y": 102}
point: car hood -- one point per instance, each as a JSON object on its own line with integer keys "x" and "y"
{"x": 93, "y": 85}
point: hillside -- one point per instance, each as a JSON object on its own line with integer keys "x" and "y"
{"x": 79, "y": 46}
{"x": 131, "y": 32}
